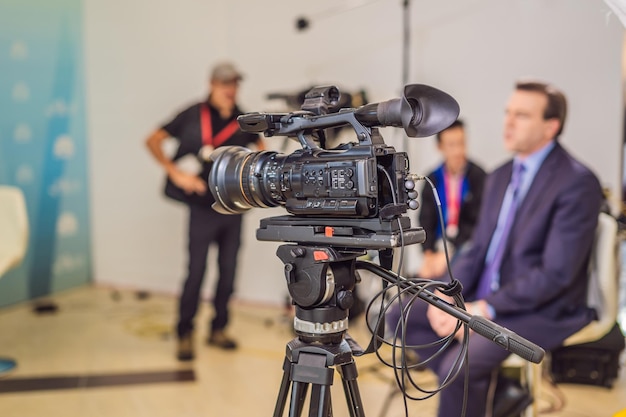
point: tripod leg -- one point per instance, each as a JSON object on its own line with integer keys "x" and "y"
{"x": 320, "y": 401}
{"x": 284, "y": 389}
{"x": 311, "y": 369}
{"x": 351, "y": 389}
{"x": 298, "y": 395}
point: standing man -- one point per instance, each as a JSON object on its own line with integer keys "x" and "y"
{"x": 526, "y": 267}
{"x": 200, "y": 129}
{"x": 459, "y": 183}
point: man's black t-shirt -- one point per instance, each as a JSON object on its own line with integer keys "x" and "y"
{"x": 186, "y": 128}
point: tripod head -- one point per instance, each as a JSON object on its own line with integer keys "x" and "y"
{"x": 320, "y": 269}
{"x": 321, "y": 282}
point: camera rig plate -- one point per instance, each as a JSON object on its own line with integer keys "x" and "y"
{"x": 371, "y": 233}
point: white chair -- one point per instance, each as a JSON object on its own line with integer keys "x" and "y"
{"x": 13, "y": 239}
{"x": 13, "y": 228}
{"x": 603, "y": 290}
{"x": 603, "y": 296}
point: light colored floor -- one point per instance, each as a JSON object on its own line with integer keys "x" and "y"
{"x": 101, "y": 331}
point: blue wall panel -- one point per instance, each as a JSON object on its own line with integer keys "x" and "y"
{"x": 43, "y": 142}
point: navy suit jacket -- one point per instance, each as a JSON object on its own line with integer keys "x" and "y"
{"x": 544, "y": 272}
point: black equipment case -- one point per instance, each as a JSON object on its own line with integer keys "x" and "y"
{"x": 594, "y": 363}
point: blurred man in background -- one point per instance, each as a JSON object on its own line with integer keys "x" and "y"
{"x": 459, "y": 183}
{"x": 199, "y": 129}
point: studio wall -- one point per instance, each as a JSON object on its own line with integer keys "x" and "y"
{"x": 146, "y": 60}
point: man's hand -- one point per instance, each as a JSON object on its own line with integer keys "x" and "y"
{"x": 433, "y": 265}
{"x": 189, "y": 183}
{"x": 442, "y": 323}
{"x": 479, "y": 308}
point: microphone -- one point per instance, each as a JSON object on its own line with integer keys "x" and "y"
{"x": 507, "y": 339}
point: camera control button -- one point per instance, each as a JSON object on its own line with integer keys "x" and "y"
{"x": 319, "y": 255}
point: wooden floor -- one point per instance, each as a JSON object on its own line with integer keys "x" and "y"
{"x": 106, "y": 353}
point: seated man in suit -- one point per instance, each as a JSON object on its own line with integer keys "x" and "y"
{"x": 459, "y": 183}
{"x": 526, "y": 265}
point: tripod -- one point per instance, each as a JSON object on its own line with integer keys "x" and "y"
{"x": 320, "y": 281}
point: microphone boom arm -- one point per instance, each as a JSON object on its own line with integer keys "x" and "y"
{"x": 502, "y": 336}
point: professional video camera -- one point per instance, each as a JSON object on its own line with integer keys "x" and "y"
{"x": 343, "y": 182}
{"x": 343, "y": 201}
{"x": 361, "y": 189}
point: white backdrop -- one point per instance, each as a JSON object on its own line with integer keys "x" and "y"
{"x": 147, "y": 59}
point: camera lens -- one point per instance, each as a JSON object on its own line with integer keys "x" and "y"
{"x": 240, "y": 180}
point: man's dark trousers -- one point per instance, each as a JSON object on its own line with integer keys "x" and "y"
{"x": 205, "y": 227}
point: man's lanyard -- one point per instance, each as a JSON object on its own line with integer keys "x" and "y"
{"x": 207, "y": 129}
{"x": 454, "y": 190}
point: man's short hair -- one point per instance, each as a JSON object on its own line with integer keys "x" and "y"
{"x": 455, "y": 124}
{"x": 557, "y": 103}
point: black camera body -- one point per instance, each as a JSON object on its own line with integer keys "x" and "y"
{"x": 343, "y": 182}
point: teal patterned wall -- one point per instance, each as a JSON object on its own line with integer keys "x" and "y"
{"x": 43, "y": 142}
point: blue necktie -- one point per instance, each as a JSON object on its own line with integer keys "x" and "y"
{"x": 489, "y": 281}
